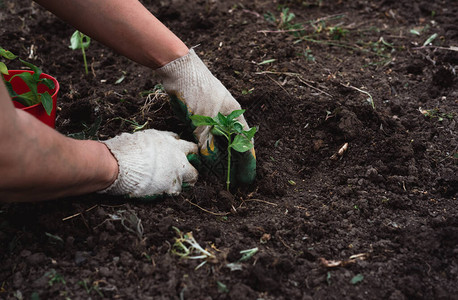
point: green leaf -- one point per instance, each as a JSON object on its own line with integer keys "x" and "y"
{"x": 430, "y": 39}
{"x": 250, "y": 133}
{"x": 222, "y": 288}
{"x": 7, "y": 54}
{"x": 48, "y": 82}
{"x": 9, "y": 87}
{"x": 267, "y": 61}
{"x": 238, "y": 127}
{"x": 86, "y": 41}
{"x": 36, "y": 70}
{"x": 247, "y": 254}
{"x": 29, "y": 81}
{"x": 241, "y": 144}
{"x": 3, "y": 68}
{"x": 78, "y": 40}
{"x": 199, "y": 120}
{"x": 26, "y": 99}
{"x": 120, "y": 79}
{"x": 235, "y": 114}
{"x": 357, "y": 278}
{"x": 75, "y": 40}
{"x": 222, "y": 119}
{"x": 46, "y": 101}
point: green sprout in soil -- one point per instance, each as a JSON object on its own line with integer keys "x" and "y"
{"x": 54, "y": 277}
{"x": 89, "y": 288}
{"x": 238, "y": 139}
{"x": 32, "y": 80}
{"x": 435, "y": 113}
{"x": 80, "y": 41}
{"x": 337, "y": 32}
{"x": 246, "y": 255}
{"x": 187, "y": 247}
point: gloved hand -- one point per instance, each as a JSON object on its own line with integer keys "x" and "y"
{"x": 151, "y": 162}
{"x": 194, "y": 90}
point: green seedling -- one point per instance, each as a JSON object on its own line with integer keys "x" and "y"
{"x": 54, "y": 277}
{"x": 435, "y": 113}
{"x": 227, "y": 126}
{"x": 357, "y": 278}
{"x": 32, "y": 80}
{"x": 285, "y": 19}
{"x": 246, "y": 255}
{"x": 187, "y": 247}
{"x": 89, "y": 288}
{"x": 308, "y": 55}
{"x": 80, "y": 41}
{"x": 337, "y": 33}
{"x": 430, "y": 39}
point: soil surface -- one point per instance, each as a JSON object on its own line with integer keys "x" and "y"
{"x": 377, "y": 220}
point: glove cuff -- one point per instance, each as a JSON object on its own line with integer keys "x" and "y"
{"x": 131, "y": 170}
{"x": 181, "y": 67}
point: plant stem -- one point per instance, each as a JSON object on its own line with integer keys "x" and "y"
{"x": 84, "y": 53}
{"x": 228, "y": 180}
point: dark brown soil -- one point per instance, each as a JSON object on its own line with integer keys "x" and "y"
{"x": 378, "y": 222}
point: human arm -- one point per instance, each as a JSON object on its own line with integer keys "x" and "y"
{"x": 129, "y": 28}
{"x": 126, "y": 26}
{"x": 38, "y": 163}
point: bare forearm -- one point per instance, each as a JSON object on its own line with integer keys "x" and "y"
{"x": 123, "y": 25}
{"x": 38, "y": 163}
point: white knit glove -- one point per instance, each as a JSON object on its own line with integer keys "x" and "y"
{"x": 193, "y": 90}
{"x": 151, "y": 162}
{"x": 188, "y": 79}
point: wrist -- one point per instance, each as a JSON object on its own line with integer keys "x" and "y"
{"x": 110, "y": 167}
{"x": 170, "y": 52}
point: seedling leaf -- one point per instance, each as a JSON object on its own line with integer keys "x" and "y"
{"x": 250, "y": 133}
{"x": 3, "y": 68}
{"x": 235, "y": 114}
{"x": 199, "y": 120}
{"x": 241, "y": 143}
{"x": 120, "y": 79}
{"x": 7, "y": 54}
{"x": 9, "y": 87}
{"x": 26, "y": 99}
{"x": 267, "y": 61}
{"x": 357, "y": 278}
{"x": 430, "y": 39}
{"x": 46, "y": 101}
{"x": 36, "y": 70}
{"x": 247, "y": 254}
{"x": 79, "y": 40}
{"x": 238, "y": 127}
{"x": 48, "y": 82}
{"x": 222, "y": 288}
{"x": 234, "y": 266}
{"x": 29, "y": 80}
{"x": 223, "y": 120}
